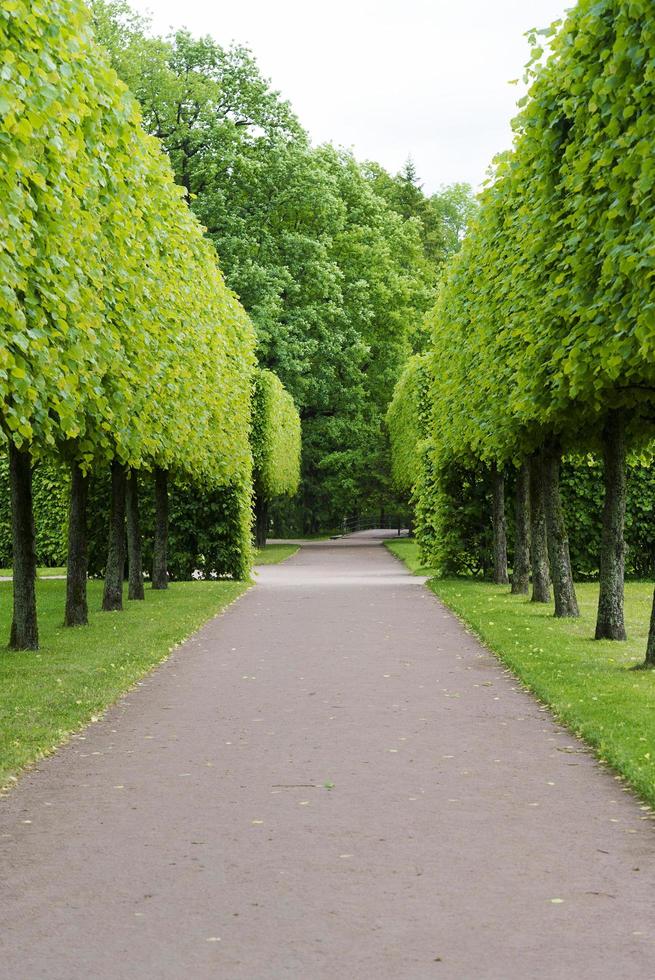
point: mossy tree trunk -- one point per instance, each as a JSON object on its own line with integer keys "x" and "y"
{"x": 77, "y": 610}
{"x": 134, "y": 555}
{"x": 160, "y": 549}
{"x": 261, "y": 520}
{"x": 24, "y": 627}
{"x": 609, "y": 621}
{"x": 501, "y": 576}
{"x": 566, "y": 603}
{"x": 538, "y": 537}
{"x": 112, "y": 598}
{"x": 521, "y": 564}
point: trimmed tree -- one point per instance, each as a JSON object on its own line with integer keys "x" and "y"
{"x": 276, "y": 447}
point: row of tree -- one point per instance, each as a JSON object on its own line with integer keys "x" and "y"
{"x": 335, "y": 261}
{"x": 543, "y": 335}
{"x": 122, "y": 346}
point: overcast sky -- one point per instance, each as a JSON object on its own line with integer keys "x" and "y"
{"x": 388, "y": 78}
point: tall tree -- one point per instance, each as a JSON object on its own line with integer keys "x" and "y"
{"x": 334, "y": 275}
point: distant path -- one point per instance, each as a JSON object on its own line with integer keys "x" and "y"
{"x": 190, "y": 834}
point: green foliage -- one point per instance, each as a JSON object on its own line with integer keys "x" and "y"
{"x": 119, "y": 336}
{"x": 209, "y": 528}
{"x": 50, "y": 491}
{"x": 110, "y": 237}
{"x": 546, "y": 322}
{"x": 442, "y": 217}
{"x": 275, "y": 438}
{"x": 545, "y": 319}
{"x": 50, "y": 496}
{"x": 408, "y": 421}
{"x": 336, "y": 274}
{"x": 453, "y": 504}
{"x": 210, "y": 532}
{"x": 426, "y": 501}
{"x": 582, "y": 493}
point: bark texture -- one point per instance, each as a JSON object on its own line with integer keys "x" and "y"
{"x": 521, "y": 567}
{"x": 650, "y": 646}
{"x": 538, "y": 537}
{"x": 609, "y": 622}
{"x": 160, "y": 549}
{"x": 261, "y": 520}
{"x": 77, "y": 610}
{"x": 24, "y": 628}
{"x": 566, "y": 603}
{"x": 134, "y": 555}
{"x": 501, "y": 576}
{"x": 112, "y": 598}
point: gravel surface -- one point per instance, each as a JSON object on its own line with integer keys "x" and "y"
{"x": 331, "y": 780}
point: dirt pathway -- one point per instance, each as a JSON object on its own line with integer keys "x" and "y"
{"x": 332, "y": 780}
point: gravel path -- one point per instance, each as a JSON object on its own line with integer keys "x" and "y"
{"x": 332, "y": 780}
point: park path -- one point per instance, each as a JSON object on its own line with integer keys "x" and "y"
{"x": 191, "y": 832}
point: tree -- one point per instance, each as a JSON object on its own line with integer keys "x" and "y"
{"x": 276, "y": 445}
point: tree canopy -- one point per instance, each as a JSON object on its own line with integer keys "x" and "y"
{"x": 546, "y": 321}
{"x": 275, "y": 438}
{"x": 336, "y": 277}
{"x": 120, "y": 337}
{"x": 408, "y": 421}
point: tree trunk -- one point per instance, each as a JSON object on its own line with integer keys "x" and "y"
{"x": 112, "y": 599}
{"x": 566, "y": 603}
{"x": 521, "y": 570}
{"x": 609, "y": 622}
{"x": 650, "y": 646}
{"x": 24, "y": 629}
{"x": 261, "y": 520}
{"x": 499, "y": 527}
{"x": 77, "y": 610}
{"x": 134, "y": 558}
{"x": 538, "y": 537}
{"x": 160, "y": 550}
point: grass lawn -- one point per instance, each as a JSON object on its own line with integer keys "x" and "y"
{"x": 41, "y": 572}
{"x": 407, "y": 549}
{"x": 77, "y": 673}
{"x": 589, "y": 684}
{"x": 274, "y": 553}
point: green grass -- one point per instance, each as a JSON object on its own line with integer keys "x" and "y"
{"x": 48, "y": 694}
{"x": 407, "y": 550}
{"x": 274, "y": 553}
{"x": 589, "y": 684}
{"x": 41, "y": 572}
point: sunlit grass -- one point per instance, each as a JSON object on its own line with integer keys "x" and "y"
{"x": 407, "y": 549}
{"x": 42, "y": 572}
{"x": 274, "y": 553}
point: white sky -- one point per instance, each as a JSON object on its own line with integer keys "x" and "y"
{"x": 388, "y": 78}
